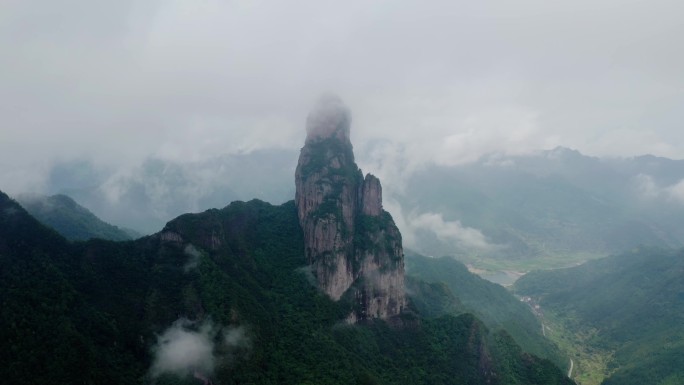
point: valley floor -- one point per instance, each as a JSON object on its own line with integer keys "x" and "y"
{"x": 588, "y": 365}
{"x": 505, "y": 272}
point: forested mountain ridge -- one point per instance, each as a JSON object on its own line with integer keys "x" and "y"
{"x": 630, "y": 305}
{"x": 104, "y": 312}
{"x": 73, "y": 221}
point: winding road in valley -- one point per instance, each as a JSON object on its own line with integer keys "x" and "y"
{"x": 537, "y": 312}
{"x": 572, "y": 365}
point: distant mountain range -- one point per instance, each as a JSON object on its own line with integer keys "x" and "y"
{"x": 147, "y": 196}
{"x": 547, "y": 209}
{"x": 550, "y": 209}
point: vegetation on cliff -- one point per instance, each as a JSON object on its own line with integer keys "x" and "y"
{"x": 353, "y": 247}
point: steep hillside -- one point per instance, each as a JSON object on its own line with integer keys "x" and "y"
{"x": 51, "y": 326}
{"x": 491, "y": 303}
{"x": 219, "y": 295}
{"x": 70, "y": 219}
{"x": 630, "y": 306}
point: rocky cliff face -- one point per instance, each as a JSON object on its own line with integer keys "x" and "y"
{"x": 351, "y": 243}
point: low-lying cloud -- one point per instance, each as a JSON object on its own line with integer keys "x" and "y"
{"x": 181, "y": 350}
{"x": 189, "y": 348}
{"x": 452, "y": 232}
{"x": 648, "y": 188}
{"x": 193, "y": 257}
{"x": 676, "y": 191}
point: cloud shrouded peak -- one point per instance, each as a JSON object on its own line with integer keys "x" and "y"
{"x": 329, "y": 117}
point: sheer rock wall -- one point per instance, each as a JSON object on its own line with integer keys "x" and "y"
{"x": 352, "y": 245}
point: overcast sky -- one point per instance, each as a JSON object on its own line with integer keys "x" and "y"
{"x": 444, "y": 81}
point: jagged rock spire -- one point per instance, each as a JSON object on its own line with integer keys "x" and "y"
{"x": 351, "y": 243}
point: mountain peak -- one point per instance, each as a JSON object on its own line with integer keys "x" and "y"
{"x": 563, "y": 152}
{"x": 329, "y": 118}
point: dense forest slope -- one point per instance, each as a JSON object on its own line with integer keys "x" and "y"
{"x": 222, "y": 296}
{"x": 631, "y": 305}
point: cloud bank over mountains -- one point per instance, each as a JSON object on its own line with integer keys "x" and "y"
{"x": 447, "y": 81}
